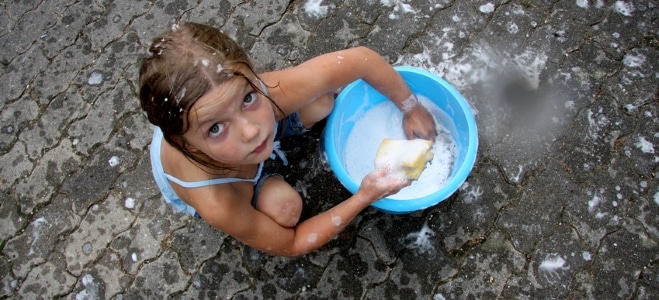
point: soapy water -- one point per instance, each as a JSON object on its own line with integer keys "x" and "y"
{"x": 384, "y": 120}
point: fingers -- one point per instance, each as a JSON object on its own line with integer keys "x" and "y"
{"x": 380, "y": 183}
{"x": 423, "y": 133}
{"x": 409, "y": 132}
{"x": 430, "y": 134}
{"x": 419, "y": 123}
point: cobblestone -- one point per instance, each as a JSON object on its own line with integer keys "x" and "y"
{"x": 563, "y": 202}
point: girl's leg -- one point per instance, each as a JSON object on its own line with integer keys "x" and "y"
{"x": 279, "y": 201}
{"x": 316, "y": 110}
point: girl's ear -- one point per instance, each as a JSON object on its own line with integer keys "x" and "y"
{"x": 184, "y": 145}
{"x": 189, "y": 148}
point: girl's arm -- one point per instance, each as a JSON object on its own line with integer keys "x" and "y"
{"x": 236, "y": 217}
{"x": 297, "y": 86}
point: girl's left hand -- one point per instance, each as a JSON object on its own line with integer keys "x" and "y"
{"x": 419, "y": 123}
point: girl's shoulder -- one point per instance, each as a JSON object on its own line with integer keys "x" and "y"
{"x": 205, "y": 198}
{"x": 177, "y": 165}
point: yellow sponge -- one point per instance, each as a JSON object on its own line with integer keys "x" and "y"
{"x": 405, "y": 158}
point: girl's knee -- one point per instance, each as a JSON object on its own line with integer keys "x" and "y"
{"x": 317, "y": 110}
{"x": 279, "y": 201}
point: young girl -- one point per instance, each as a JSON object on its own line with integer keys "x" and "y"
{"x": 220, "y": 121}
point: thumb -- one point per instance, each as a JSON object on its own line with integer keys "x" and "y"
{"x": 409, "y": 132}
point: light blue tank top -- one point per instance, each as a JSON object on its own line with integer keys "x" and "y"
{"x": 165, "y": 187}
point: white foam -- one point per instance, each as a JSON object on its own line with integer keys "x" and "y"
{"x": 38, "y": 225}
{"x": 91, "y": 290}
{"x": 593, "y": 203}
{"x": 95, "y": 78}
{"x": 129, "y": 203}
{"x": 634, "y": 61}
{"x": 623, "y": 8}
{"x": 312, "y": 238}
{"x": 337, "y": 221}
{"x": 421, "y": 240}
{"x": 385, "y": 121}
{"x": 487, "y": 8}
{"x": 552, "y": 263}
{"x": 114, "y": 161}
{"x": 512, "y": 27}
{"x": 645, "y": 145}
{"x": 313, "y": 8}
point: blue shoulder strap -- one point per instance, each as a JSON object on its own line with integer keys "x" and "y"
{"x": 202, "y": 183}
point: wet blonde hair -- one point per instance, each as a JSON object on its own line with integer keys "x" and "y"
{"x": 184, "y": 64}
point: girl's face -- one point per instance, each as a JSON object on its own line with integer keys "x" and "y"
{"x": 232, "y": 124}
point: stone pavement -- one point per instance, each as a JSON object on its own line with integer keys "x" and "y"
{"x": 563, "y": 202}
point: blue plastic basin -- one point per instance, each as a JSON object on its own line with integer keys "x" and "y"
{"x": 358, "y": 97}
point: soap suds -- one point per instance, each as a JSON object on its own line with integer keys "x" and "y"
{"x": 644, "y": 145}
{"x": 129, "y": 203}
{"x": 384, "y": 120}
{"x": 315, "y": 9}
{"x": 38, "y": 227}
{"x": 487, "y": 8}
{"x": 95, "y": 78}
{"x": 312, "y": 238}
{"x": 623, "y": 8}
{"x": 337, "y": 221}
{"x": 114, "y": 161}
{"x": 92, "y": 289}
{"x": 552, "y": 263}
{"x": 421, "y": 240}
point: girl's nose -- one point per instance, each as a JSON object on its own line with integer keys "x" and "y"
{"x": 249, "y": 131}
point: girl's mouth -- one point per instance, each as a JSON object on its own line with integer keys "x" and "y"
{"x": 261, "y": 147}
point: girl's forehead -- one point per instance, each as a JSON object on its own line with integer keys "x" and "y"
{"x": 218, "y": 100}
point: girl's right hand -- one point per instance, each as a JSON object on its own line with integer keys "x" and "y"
{"x": 378, "y": 184}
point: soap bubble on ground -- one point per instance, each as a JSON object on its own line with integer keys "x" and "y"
{"x": 95, "y": 78}
{"x": 129, "y": 203}
{"x": 551, "y": 265}
{"x": 438, "y": 297}
{"x": 39, "y": 226}
{"x": 644, "y": 145}
{"x": 486, "y": 8}
{"x": 399, "y": 8}
{"x": 421, "y": 241}
{"x": 92, "y": 288}
{"x": 624, "y": 8}
{"x": 471, "y": 193}
{"x": 114, "y": 161}
{"x": 315, "y": 9}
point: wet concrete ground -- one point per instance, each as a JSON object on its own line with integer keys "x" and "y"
{"x": 563, "y": 202}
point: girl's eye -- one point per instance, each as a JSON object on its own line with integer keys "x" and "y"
{"x": 216, "y": 129}
{"x": 249, "y": 99}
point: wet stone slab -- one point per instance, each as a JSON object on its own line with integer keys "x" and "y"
{"x": 563, "y": 201}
